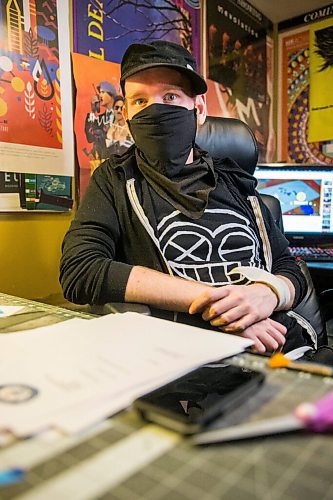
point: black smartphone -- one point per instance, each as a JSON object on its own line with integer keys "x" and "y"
{"x": 192, "y": 401}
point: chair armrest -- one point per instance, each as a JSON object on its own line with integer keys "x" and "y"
{"x": 326, "y": 303}
{"x": 310, "y": 307}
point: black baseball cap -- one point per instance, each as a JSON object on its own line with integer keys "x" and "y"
{"x": 140, "y": 56}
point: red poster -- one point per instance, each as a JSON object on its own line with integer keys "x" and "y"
{"x": 35, "y": 87}
{"x": 99, "y": 126}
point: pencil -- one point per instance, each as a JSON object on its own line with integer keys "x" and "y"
{"x": 279, "y": 360}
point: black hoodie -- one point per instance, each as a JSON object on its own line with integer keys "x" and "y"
{"x": 112, "y": 232}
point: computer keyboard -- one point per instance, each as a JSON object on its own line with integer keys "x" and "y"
{"x": 312, "y": 253}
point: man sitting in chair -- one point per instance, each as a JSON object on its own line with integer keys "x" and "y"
{"x": 166, "y": 225}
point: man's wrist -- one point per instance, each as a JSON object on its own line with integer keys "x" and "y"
{"x": 278, "y": 285}
{"x": 272, "y": 291}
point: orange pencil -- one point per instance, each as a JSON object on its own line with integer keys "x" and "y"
{"x": 279, "y": 360}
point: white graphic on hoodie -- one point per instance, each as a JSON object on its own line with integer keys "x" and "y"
{"x": 208, "y": 250}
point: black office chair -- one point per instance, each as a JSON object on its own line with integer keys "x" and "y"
{"x": 229, "y": 137}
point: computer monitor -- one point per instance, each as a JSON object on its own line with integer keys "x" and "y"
{"x": 305, "y": 194}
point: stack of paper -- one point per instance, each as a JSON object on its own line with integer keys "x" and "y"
{"x": 72, "y": 374}
{"x": 9, "y": 310}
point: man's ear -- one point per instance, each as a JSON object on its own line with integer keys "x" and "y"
{"x": 200, "y": 104}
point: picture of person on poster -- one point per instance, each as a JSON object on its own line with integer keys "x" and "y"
{"x": 97, "y": 124}
{"x": 118, "y": 137}
{"x": 238, "y": 62}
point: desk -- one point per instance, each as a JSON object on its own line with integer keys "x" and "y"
{"x": 124, "y": 458}
{"x": 34, "y": 314}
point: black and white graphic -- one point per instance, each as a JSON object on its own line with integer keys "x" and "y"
{"x": 17, "y": 393}
{"x": 208, "y": 250}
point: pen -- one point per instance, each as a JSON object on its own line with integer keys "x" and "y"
{"x": 11, "y": 476}
{"x": 279, "y": 360}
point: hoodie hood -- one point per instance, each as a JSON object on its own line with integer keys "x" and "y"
{"x": 245, "y": 181}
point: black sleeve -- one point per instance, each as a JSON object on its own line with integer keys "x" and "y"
{"x": 283, "y": 263}
{"x": 88, "y": 272}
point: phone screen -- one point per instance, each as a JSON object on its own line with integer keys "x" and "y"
{"x": 193, "y": 400}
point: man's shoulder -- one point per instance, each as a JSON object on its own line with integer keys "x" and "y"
{"x": 227, "y": 168}
{"x": 124, "y": 161}
{"x": 227, "y": 164}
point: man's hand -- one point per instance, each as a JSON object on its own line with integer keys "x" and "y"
{"x": 267, "y": 334}
{"x": 235, "y": 307}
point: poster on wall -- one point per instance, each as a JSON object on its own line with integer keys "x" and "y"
{"x": 99, "y": 125}
{"x": 321, "y": 81}
{"x": 238, "y": 63}
{"x": 104, "y": 30}
{"x": 36, "y": 133}
{"x": 293, "y": 143}
{"x": 101, "y": 35}
{"x": 9, "y": 192}
{"x": 24, "y": 192}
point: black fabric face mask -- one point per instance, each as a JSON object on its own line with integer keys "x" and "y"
{"x": 164, "y": 135}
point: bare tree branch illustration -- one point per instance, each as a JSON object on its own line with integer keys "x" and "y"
{"x": 173, "y": 18}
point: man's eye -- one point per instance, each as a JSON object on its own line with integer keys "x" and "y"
{"x": 140, "y": 101}
{"x": 170, "y": 97}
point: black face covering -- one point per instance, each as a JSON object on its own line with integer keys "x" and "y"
{"x": 164, "y": 135}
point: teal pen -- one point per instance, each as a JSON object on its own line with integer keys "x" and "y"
{"x": 11, "y": 476}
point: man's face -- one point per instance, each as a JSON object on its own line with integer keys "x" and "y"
{"x": 157, "y": 86}
{"x": 118, "y": 110}
{"x": 106, "y": 99}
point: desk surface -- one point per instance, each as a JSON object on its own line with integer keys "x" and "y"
{"x": 34, "y": 314}
{"x": 124, "y": 458}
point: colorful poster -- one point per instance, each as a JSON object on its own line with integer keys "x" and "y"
{"x": 238, "y": 57}
{"x": 9, "y": 192}
{"x": 107, "y": 28}
{"x": 293, "y": 144}
{"x": 321, "y": 82}
{"x": 35, "y": 87}
{"x": 99, "y": 125}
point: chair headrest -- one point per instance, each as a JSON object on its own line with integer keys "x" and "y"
{"x": 229, "y": 137}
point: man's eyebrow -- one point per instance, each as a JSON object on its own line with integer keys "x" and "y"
{"x": 169, "y": 86}
{"x": 136, "y": 94}
{"x": 166, "y": 87}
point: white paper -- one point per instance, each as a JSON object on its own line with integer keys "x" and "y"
{"x": 96, "y": 367}
{"x": 9, "y": 310}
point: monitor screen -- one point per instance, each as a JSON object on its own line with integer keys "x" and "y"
{"x": 305, "y": 194}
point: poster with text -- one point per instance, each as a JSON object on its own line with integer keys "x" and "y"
{"x": 36, "y": 133}
{"x": 238, "y": 62}
{"x": 104, "y": 30}
{"x": 293, "y": 144}
{"x": 9, "y": 192}
{"x": 321, "y": 81}
{"x": 99, "y": 124}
